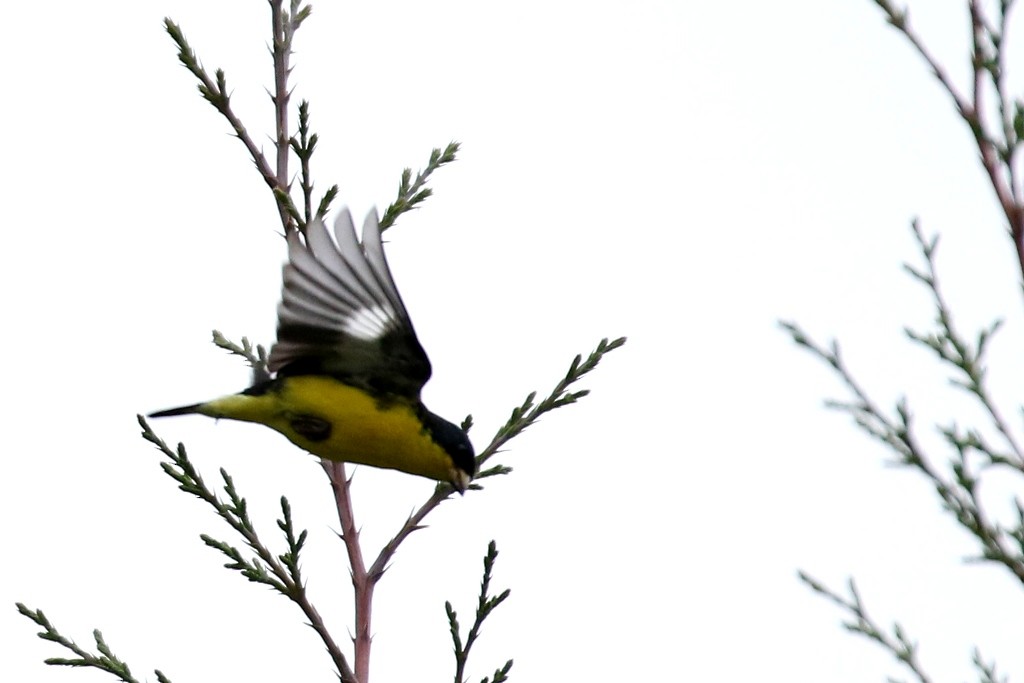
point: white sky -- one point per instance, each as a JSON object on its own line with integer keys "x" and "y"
{"x": 684, "y": 173}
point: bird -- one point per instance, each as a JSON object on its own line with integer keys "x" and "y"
{"x": 346, "y": 370}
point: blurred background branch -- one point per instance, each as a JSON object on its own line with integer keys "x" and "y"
{"x": 956, "y": 479}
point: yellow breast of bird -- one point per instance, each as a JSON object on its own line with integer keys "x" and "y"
{"x": 338, "y": 422}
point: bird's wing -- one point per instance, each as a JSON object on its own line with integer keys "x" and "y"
{"x": 341, "y": 314}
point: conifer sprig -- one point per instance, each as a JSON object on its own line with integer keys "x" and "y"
{"x": 486, "y": 604}
{"x": 967, "y": 358}
{"x": 215, "y": 91}
{"x": 303, "y": 145}
{"x": 256, "y": 356}
{"x": 280, "y": 572}
{"x": 528, "y": 413}
{"x": 106, "y": 660}
{"x": 411, "y": 193}
{"x": 895, "y": 640}
{"x": 499, "y": 675}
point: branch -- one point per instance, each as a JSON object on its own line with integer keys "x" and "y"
{"x": 304, "y": 146}
{"x": 214, "y": 91}
{"x": 986, "y": 671}
{"x": 528, "y": 414}
{"x": 998, "y": 148}
{"x": 957, "y": 351}
{"x": 959, "y": 495}
{"x": 897, "y": 643}
{"x": 284, "y": 25}
{"x": 363, "y": 583}
{"x": 412, "y": 192}
{"x": 521, "y": 418}
{"x": 500, "y": 675}
{"x": 959, "y": 491}
{"x": 256, "y": 356}
{"x": 486, "y": 604}
{"x": 280, "y": 572}
{"x": 106, "y": 660}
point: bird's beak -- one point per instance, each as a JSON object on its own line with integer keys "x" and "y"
{"x": 459, "y": 480}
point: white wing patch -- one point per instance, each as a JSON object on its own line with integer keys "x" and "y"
{"x": 369, "y": 324}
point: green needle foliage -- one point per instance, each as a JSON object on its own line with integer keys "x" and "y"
{"x": 256, "y": 356}
{"x": 303, "y": 146}
{"x": 254, "y": 559}
{"x": 528, "y": 412}
{"x": 106, "y": 660}
{"x": 411, "y": 193}
{"x": 486, "y": 603}
{"x": 896, "y": 641}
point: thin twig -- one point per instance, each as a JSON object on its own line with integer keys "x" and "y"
{"x": 959, "y": 496}
{"x": 215, "y": 92}
{"x": 956, "y": 350}
{"x": 521, "y": 418}
{"x": 415, "y": 522}
{"x": 281, "y": 51}
{"x": 898, "y": 643}
{"x": 412, "y": 192}
{"x": 486, "y": 604}
{"x": 303, "y": 148}
{"x": 987, "y": 671}
{"x": 998, "y": 165}
{"x": 105, "y": 661}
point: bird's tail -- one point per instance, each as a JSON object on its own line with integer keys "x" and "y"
{"x": 183, "y": 410}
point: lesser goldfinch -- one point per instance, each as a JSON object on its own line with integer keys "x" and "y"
{"x": 347, "y": 366}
